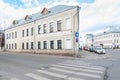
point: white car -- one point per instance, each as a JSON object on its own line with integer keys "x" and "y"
{"x": 99, "y": 50}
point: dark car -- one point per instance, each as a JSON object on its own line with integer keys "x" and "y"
{"x": 91, "y": 49}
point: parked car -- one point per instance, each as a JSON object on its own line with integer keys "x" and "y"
{"x": 91, "y": 49}
{"x": 85, "y": 48}
{"x": 99, "y": 50}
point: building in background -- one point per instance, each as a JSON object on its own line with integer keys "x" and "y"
{"x": 108, "y": 39}
{"x": 89, "y": 40}
{"x": 49, "y": 31}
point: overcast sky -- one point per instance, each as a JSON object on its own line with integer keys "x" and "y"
{"x": 95, "y": 15}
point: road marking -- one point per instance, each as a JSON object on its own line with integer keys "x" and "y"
{"x": 81, "y": 66}
{"x": 78, "y": 73}
{"x": 52, "y": 74}
{"x": 36, "y": 77}
{"x": 14, "y": 79}
{"x": 73, "y": 68}
{"x": 71, "y": 78}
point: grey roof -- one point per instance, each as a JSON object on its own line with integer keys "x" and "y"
{"x": 36, "y": 16}
{"x": 112, "y": 29}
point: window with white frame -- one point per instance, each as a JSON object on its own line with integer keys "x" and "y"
{"x": 51, "y": 44}
{"x": 32, "y": 31}
{"x": 68, "y": 44}
{"x": 59, "y": 25}
{"x": 51, "y": 27}
{"x": 22, "y": 33}
{"x": 59, "y": 44}
{"x": 44, "y": 28}
{"x": 39, "y": 28}
{"x": 27, "y": 32}
{"x": 32, "y": 45}
{"x": 27, "y": 45}
{"x": 45, "y": 44}
{"x": 68, "y": 23}
{"x": 39, "y": 45}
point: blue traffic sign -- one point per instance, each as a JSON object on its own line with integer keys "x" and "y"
{"x": 76, "y": 34}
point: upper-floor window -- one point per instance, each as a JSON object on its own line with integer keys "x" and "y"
{"x": 15, "y": 34}
{"x": 22, "y": 33}
{"x": 44, "y": 28}
{"x": 68, "y": 23}
{"x": 59, "y": 44}
{"x": 39, "y": 28}
{"x": 12, "y": 35}
{"x": 9, "y": 35}
{"x": 27, "y": 32}
{"x": 59, "y": 25}
{"x": 51, "y": 27}
{"x": 32, "y": 31}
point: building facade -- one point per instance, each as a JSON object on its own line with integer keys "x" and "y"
{"x": 108, "y": 39}
{"x": 49, "y": 31}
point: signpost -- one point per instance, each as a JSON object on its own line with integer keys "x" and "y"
{"x": 77, "y": 40}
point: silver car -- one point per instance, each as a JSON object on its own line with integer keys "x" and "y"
{"x": 99, "y": 50}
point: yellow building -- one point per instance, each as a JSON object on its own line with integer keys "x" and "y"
{"x": 49, "y": 31}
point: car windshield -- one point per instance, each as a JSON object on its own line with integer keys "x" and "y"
{"x": 98, "y": 48}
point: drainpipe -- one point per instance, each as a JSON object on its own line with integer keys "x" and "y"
{"x": 76, "y": 48}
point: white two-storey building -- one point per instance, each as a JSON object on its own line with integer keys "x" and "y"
{"x": 108, "y": 39}
{"x": 49, "y": 31}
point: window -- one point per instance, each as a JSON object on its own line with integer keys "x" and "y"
{"x": 15, "y": 34}
{"x": 52, "y": 44}
{"x": 9, "y": 35}
{"x": 15, "y": 46}
{"x": 22, "y": 33}
{"x": 32, "y": 31}
{"x": 12, "y": 35}
{"x": 39, "y": 28}
{"x": 9, "y": 46}
{"x": 22, "y": 45}
{"x": 27, "y": 45}
{"x": 44, "y": 28}
{"x": 32, "y": 45}
{"x": 51, "y": 27}
{"x": 27, "y": 32}
{"x": 39, "y": 45}
{"x": 59, "y": 25}
{"x": 12, "y": 46}
{"x": 59, "y": 44}
{"x": 45, "y": 44}
{"x": 68, "y": 44}
{"x": 6, "y": 46}
{"x": 68, "y": 24}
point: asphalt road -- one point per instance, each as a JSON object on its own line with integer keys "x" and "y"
{"x": 44, "y": 67}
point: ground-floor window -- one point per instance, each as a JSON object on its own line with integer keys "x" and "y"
{"x": 32, "y": 45}
{"x": 6, "y": 46}
{"x": 39, "y": 45}
{"x": 12, "y": 46}
{"x": 59, "y": 44}
{"x": 51, "y": 44}
{"x": 27, "y": 45}
{"x": 9, "y": 46}
{"x": 22, "y": 45}
{"x": 15, "y": 46}
{"x": 45, "y": 44}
